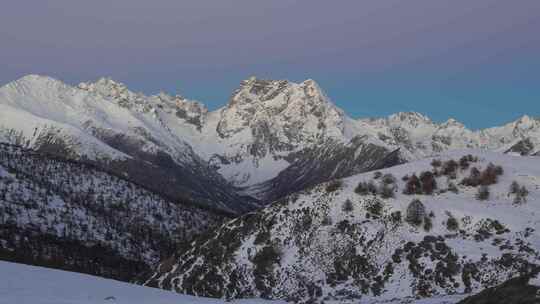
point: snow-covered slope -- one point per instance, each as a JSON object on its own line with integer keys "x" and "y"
{"x": 24, "y": 284}
{"x": 74, "y": 216}
{"x": 339, "y": 240}
{"x": 106, "y": 124}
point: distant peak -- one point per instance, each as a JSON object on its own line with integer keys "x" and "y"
{"x": 312, "y": 88}
{"x": 409, "y": 117}
{"x": 275, "y": 96}
{"x": 103, "y": 83}
{"x": 257, "y": 90}
{"x": 451, "y": 122}
{"x": 525, "y": 119}
{"x": 180, "y": 101}
{"x": 310, "y": 82}
{"x": 35, "y": 78}
{"x": 36, "y": 82}
{"x": 260, "y": 83}
{"x": 526, "y": 122}
{"x": 265, "y": 89}
{"x": 109, "y": 81}
{"x": 110, "y": 88}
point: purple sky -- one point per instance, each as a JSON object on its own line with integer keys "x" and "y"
{"x": 373, "y": 57}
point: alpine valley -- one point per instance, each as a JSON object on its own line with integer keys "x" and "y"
{"x": 279, "y": 194}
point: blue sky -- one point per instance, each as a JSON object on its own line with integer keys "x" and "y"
{"x": 477, "y": 61}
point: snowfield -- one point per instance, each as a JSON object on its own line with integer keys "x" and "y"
{"x": 23, "y": 284}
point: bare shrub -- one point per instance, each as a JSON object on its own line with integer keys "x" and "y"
{"x": 413, "y": 186}
{"x": 429, "y": 184}
{"x": 449, "y": 168}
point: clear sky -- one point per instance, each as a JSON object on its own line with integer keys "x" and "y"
{"x": 475, "y": 60}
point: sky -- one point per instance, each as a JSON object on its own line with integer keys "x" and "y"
{"x": 477, "y": 61}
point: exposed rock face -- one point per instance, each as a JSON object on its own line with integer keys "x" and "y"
{"x": 522, "y": 147}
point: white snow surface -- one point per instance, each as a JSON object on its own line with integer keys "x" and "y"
{"x": 23, "y": 284}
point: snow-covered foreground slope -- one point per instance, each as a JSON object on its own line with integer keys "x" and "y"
{"x": 22, "y": 284}
{"x": 339, "y": 241}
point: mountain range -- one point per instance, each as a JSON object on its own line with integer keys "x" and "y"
{"x": 272, "y": 138}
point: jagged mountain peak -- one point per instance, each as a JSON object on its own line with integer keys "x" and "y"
{"x": 526, "y": 122}
{"x": 411, "y": 118}
{"x": 109, "y": 88}
{"x": 452, "y": 123}
{"x": 280, "y": 106}
{"x": 312, "y": 87}
{"x": 180, "y": 101}
{"x": 257, "y": 91}
{"x": 265, "y": 92}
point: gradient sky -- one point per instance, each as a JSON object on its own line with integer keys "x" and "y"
{"x": 475, "y": 60}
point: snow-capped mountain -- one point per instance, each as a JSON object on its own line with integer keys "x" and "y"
{"x": 277, "y": 137}
{"x": 419, "y": 137}
{"x": 123, "y": 132}
{"x": 463, "y": 222}
{"x": 73, "y": 216}
{"x": 250, "y": 139}
{"x": 274, "y": 137}
{"x": 176, "y": 145}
